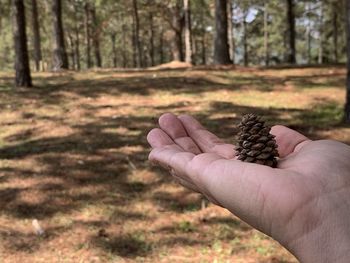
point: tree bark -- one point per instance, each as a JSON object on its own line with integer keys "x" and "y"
{"x": 87, "y": 35}
{"x": 36, "y": 35}
{"x": 308, "y": 34}
{"x": 161, "y": 45}
{"x": 291, "y": 52}
{"x": 320, "y": 44}
{"x": 1, "y": 16}
{"x": 204, "y": 48}
{"x": 177, "y": 26}
{"x": 23, "y": 78}
{"x": 70, "y": 49}
{"x": 230, "y": 34}
{"x": 177, "y": 46}
{"x": 335, "y": 31}
{"x": 245, "y": 38}
{"x": 203, "y": 37}
{"x": 266, "y": 34}
{"x": 347, "y": 99}
{"x": 96, "y": 37}
{"x": 151, "y": 38}
{"x": 133, "y": 40}
{"x": 114, "y": 50}
{"x": 137, "y": 34}
{"x": 221, "y": 47}
{"x": 60, "y": 59}
{"x": 77, "y": 41}
{"x": 124, "y": 45}
{"x": 188, "y": 40}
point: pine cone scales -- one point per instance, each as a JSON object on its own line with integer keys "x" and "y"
{"x": 256, "y": 144}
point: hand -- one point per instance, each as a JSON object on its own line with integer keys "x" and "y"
{"x": 304, "y": 203}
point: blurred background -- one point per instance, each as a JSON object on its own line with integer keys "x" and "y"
{"x": 83, "y": 82}
{"x": 145, "y": 33}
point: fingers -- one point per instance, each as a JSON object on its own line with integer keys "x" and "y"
{"x": 288, "y": 140}
{"x": 158, "y": 138}
{"x": 206, "y": 141}
{"x": 172, "y": 156}
{"x": 181, "y": 166}
{"x": 243, "y": 188}
{"x": 171, "y": 125}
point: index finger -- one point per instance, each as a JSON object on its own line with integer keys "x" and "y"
{"x": 206, "y": 141}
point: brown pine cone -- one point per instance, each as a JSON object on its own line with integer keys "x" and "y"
{"x": 255, "y": 143}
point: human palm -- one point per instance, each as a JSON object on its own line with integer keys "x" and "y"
{"x": 296, "y": 203}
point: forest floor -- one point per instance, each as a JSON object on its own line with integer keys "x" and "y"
{"x": 73, "y": 155}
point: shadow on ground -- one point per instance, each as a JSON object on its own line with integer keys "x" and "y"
{"x": 90, "y": 164}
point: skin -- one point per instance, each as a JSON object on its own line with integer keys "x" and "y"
{"x": 304, "y": 203}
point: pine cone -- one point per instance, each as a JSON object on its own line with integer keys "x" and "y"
{"x": 256, "y": 144}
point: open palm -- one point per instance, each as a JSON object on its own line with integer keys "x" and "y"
{"x": 296, "y": 203}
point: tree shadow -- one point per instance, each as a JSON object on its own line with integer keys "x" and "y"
{"x": 15, "y": 241}
{"x": 124, "y": 245}
{"x": 91, "y": 165}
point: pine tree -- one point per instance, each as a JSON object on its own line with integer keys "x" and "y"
{"x": 188, "y": 40}
{"x": 23, "y": 78}
{"x": 36, "y": 34}
{"x": 221, "y": 47}
{"x": 60, "y": 58}
{"x": 291, "y": 52}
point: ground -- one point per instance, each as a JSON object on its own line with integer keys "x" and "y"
{"x": 73, "y": 155}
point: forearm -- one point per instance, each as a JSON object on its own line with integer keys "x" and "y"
{"x": 330, "y": 242}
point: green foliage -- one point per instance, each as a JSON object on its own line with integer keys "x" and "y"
{"x": 186, "y": 226}
{"x": 322, "y": 115}
{"x": 318, "y": 22}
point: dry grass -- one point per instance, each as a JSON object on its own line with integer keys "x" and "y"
{"x": 73, "y": 155}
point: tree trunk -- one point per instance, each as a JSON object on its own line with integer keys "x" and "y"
{"x": 203, "y": 37}
{"x": 245, "y": 37}
{"x": 308, "y": 34}
{"x": 230, "y": 34}
{"x": 60, "y": 59}
{"x": 177, "y": 26}
{"x": 71, "y": 48}
{"x": 23, "y": 78}
{"x": 36, "y": 35}
{"x": 151, "y": 38}
{"x": 124, "y": 45}
{"x": 1, "y": 16}
{"x": 96, "y": 37}
{"x": 347, "y": 103}
{"x": 134, "y": 47}
{"x": 266, "y": 35}
{"x": 204, "y": 49}
{"x": 77, "y": 41}
{"x": 291, "y": 52}
{"x": 177, "y": 46}
{"x": 137, "y": 34}
{"x": 87, "y": 35}
{"x": 320, "y": 44}
{"x": 221, "y": 47}
{"x": 114, "y": 50}
{"x": 335, "y": 31}
{"x": 161, "y": 46}
{"x": 188, "y": 46}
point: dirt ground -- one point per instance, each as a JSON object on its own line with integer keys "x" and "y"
{"x": 73, "y": 155}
